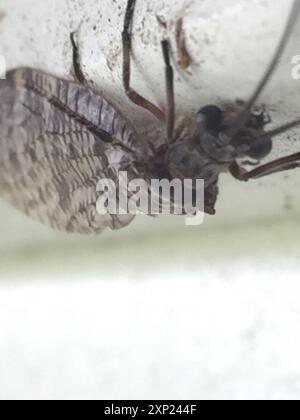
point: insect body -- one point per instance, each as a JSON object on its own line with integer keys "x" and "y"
{"x": 58, "y": 138}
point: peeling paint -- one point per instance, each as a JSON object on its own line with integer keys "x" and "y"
{"x": 185, "y": 60}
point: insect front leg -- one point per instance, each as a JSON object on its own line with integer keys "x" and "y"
{"x": 280, "y": 165}
{"x": 78, "y": 72}
{"x": 170, "y": 90}
{"x": 127, "y": 50}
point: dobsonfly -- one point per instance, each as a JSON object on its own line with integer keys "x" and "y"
{"x": 58, "y": 138}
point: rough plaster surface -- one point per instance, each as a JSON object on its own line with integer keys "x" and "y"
{"x": 208, "y": 313}
{"x": 230, "y": 43}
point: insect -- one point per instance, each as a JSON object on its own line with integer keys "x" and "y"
{"x": 58, "y": 138}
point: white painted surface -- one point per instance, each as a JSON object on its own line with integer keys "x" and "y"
{"x": 201, "y": 315}
{"x": 231, "y": 43}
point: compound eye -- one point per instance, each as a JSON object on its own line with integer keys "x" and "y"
{"x": 211, "y": 117}
{"x": 260, "y": 149}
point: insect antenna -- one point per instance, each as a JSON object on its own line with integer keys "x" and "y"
{"x": 245, "y": 114}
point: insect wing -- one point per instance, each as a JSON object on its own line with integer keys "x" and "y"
{"x": 57, "y": 140}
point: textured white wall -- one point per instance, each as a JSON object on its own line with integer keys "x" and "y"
{"x": 230, "y": 42}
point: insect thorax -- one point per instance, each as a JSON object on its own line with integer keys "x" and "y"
{"x": 196, "y": 153}
{"x": 203, "y": 147}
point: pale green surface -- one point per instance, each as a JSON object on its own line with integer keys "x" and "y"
{"x": 210, "y": 313}
{"x": 158, "y": 310}
{"x": 37, "y": 251}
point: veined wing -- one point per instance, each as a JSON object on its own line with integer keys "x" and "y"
{"x": 57, "y": 140}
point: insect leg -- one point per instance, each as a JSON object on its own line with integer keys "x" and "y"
{"x": 290, "y": 26}
{"x": 280, "y": 165}
{"x": 127, "y": 49}
{"x": 279, "y": 130}
{"x": 76, "y": 62}
{"x": 170, "y": 90}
